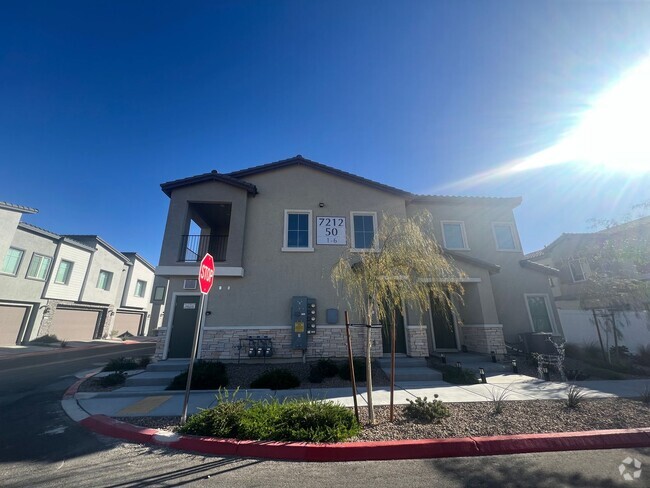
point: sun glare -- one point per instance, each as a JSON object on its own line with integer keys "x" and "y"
{"x": 612, "y": 136}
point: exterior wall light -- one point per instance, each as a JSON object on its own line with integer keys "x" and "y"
{"x": 515, "y": 370}
{"x": 481, "y": 372}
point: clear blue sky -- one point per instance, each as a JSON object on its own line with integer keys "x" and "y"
{"x": 102, "y": 101}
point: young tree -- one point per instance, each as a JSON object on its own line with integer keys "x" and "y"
{"x": 405, "y": 266}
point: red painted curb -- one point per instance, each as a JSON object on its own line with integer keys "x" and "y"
{"x": 377, "y": 451}
{"x": 74, "y": 388}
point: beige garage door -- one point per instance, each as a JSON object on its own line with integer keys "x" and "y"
{"x": 127, "y": 322}
{"x": 74, "y": 325}
{"x": 11, "y": 320}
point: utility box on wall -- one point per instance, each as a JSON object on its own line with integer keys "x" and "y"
{"x": 303, "y": 321}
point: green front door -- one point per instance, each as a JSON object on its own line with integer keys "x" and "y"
{"x": 183, "y": 325}
{"x": 443, "y": 326}
{"x": 400, "y": 336}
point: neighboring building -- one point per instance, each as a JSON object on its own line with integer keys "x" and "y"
{"x": 579, "y": 256}
{"x": 266, "y": 229}
{"x": 75, "y": 287}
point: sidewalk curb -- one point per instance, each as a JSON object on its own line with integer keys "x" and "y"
{"x": 373, "y": 451}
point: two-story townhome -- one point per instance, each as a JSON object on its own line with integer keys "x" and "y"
{"x": 579, "y": 256}
{"x": 275, "y": 232}
{"x": 75, "y": 287}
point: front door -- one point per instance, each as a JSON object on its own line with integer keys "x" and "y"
{"x": 400, "y": 337}
{"x": 443, "y": 326}
{"x": 183, "y": 326}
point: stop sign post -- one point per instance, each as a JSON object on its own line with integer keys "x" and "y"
{"x": 206, "y": 278}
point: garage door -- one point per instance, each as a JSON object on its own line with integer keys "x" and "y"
{"x": 11, "y": 320}
{"x": 127, "y": 322}
{"x": 74, "y": 325}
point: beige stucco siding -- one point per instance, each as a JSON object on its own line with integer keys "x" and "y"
{"x": 103, "y": 259}
{"x": 8, "y": 223}
{"x": 137, "y": 271}
{"x": 20, "y": 287}
{"x": 72, "y": 290}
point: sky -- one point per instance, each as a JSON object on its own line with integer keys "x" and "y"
{"x": 102, "y": 101}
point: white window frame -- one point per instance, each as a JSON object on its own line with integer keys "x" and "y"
{"x": 47, "y": 271}
{"x": 513, "y": 231}
{"x": 583, "y": 267}
{"x": 310, "y": 231}
{"x": 462, "y": 231}
{"x": 20, "y": 261}
{"x": 549, "y": 310}
{"x": 144, "y": 288}
{"x": 68, "y": 274}
{"x": 374, "y": 224}
{"x": 156, "y": 293}
{"x": 109, "y": 280}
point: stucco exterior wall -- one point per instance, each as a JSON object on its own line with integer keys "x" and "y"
{"x": 72, "y": 290}
{"x": 8, "y": 223}
{"x": 20, "y": 287}
{"x": 104, "y": 260}
{"x": 138, "y": 271}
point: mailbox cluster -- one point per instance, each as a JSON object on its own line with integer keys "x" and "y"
{"x": 303, "y": 321}
{"x": 260, "y": 346}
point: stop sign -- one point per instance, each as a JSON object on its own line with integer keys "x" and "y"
{"x": 206, "y": 273}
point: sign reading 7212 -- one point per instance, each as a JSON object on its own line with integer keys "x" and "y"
{"x": 330, "y": 230}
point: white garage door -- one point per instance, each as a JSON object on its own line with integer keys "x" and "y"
{"x": 11, "y": 320}
{"x": 127, "y": 322}
{"x": 74, "y": 325}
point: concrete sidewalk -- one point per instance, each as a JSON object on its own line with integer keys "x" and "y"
{"x": 154, "y": 401}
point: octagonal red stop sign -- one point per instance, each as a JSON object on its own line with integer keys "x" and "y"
{"x": 206, "y": 273}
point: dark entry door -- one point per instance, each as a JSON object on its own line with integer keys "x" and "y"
{"x": 183, "y": 325}
{"x": 400, "y": 337}
{"x": 444, "y": 328}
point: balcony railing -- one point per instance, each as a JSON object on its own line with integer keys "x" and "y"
{"x": 194, "y": 247}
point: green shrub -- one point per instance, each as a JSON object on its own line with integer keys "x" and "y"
{"x": 121, "y": 364}
{"x": 46, "y": 339}
{"x": 359, "y": 369}
{"x": 426, "y": 411}
{"x": 206, "y": 375}
{"x": 458, "y": 376}
{"x": 321, "y": 369}
{"x": 276, "y": 379}
{"x": 113, "y": 379}
{"x": 295, "y": 420}
{"x": 144, "y": 361}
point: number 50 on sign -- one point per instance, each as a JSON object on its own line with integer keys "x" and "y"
{"x": 330, "y": 230}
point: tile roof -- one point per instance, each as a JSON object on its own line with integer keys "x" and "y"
{"x": 491, "y": 267}
{"x": 40, "y": 230}
{"x": 509, "y": 201}
{"x": 134, "y": 255}
{"x": 19, "y": 208}
{"x": 92, "y": 240}
{"x": 542, "y": 268}
{"x": 213, "y": 175}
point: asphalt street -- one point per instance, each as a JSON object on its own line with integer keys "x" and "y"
{"x": 40, "y": 446}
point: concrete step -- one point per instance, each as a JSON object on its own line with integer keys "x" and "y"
{"x": 402, "y": 362}
{"x": 152, "y": 378}
{"x": 169, "y": 365}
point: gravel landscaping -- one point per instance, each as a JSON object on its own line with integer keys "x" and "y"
{"x": 478, "y": 419}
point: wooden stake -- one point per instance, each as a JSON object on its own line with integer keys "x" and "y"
{"x": 351, "y": 361}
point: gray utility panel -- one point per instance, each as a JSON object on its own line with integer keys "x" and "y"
{"x": 303, "y": 321}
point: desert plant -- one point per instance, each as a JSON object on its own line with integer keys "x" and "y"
{"x": 276, "y": 379}
{"x": 46, "y": 339}
{"x": 359, "y": 369}
{"x": 121, "y": 364}
{"x": 113, "y": 379}
{"x": 206, "y": 375}
{"x": 575, "y": 395}
{"x": 498, "y": 397}
{"x": 426, "y": 411}
{"x": 645, "y": 395}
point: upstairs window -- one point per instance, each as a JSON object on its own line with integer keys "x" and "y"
{"x": 12, "y": 261}
{"x": 140, "y": 288}
{"x": 39, "y": 267}
{"x": 63, "y": 273}
{"x": 578, "y": 268}
{"x": 104, "y": 280}
{"x": 297, "y": 230}
{"x": 453, "y": 235}
{"x": 504, "y": 236}
{"x": 363, "y": 230}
